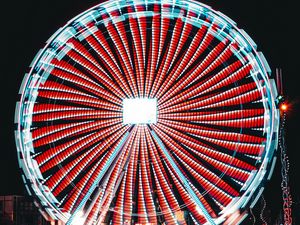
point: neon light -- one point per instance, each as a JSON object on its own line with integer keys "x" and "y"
{"x": 138, "y": 110}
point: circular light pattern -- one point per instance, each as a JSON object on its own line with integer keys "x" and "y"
{"x": 202, "y": 159}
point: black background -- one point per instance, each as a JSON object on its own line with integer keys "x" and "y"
{"x": 26, "y": 25}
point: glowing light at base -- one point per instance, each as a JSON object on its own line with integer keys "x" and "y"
{"x": 79, "y": 219}
{"x": 147, "y": 112}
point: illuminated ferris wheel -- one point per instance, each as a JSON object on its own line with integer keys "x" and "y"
{"x": 147, "y": 112}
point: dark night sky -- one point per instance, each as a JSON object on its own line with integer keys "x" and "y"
{"x": 26, "y": 25}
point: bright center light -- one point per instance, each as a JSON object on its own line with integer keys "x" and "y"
{"x": 139, "y": 110}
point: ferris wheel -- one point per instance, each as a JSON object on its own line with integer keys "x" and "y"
{"x": 147, "y": 112}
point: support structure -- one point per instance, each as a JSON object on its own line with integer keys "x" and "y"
{"x": 286, "y": 195}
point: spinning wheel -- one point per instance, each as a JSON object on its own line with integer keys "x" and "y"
{"x": 147, "y": 112}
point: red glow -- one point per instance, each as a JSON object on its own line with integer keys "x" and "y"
{"x": 284, "y": 107}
